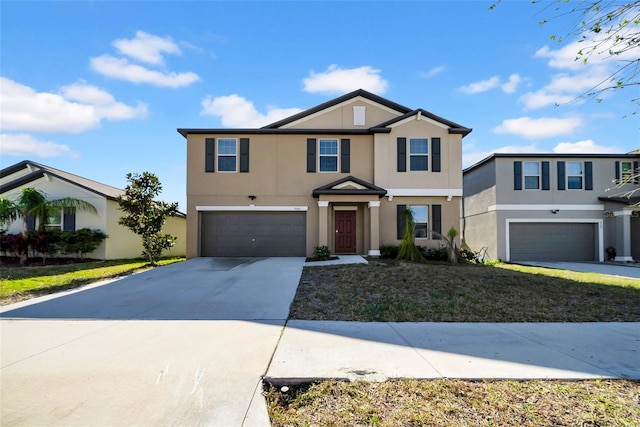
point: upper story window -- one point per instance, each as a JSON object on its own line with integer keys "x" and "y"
{"x": 531, "y": 175}
{"x": 418, "y": 154}
{"x": 328, "y": 155}
{"x": 575, "y": 174}
{"x": 227, "y": 154}
{"x": 626, "y": 172}
{"x": 421, "y": 220}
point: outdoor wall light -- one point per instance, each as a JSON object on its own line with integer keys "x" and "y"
{"x": 554, "y": 211}
{"x": 252, "y": 197}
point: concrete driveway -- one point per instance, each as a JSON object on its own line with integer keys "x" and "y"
{"x": 184, "y": 344}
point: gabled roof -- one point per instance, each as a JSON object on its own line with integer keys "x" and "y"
{"x": 356, "y": 93}
{"x": 453, "y": 127}
{"x": 350, "y": 185}
{"x": 40, "y": 170}
{"x": 277, "y": 127}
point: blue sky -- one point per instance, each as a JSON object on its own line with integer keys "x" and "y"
{"x": 99, "y": 88}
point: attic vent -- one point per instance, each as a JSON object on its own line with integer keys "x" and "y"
{"x": 359, "y": 115}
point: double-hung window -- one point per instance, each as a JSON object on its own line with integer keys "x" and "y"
{"x": 227, "y": 154}
{"x": 421, "y": 220}
{"x": 54, "y": 220}
{"x": 575, "y": 174}
{"x": 626, "y": 172}
{"x": 531, "y": 175}
{"x": 328, "y": 155}
{"x": 418, "y": 154}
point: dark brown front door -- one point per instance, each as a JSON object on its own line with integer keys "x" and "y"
{"x": 345, "y": 232}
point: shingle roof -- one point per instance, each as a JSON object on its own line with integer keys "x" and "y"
{"x": 40, "y": 170}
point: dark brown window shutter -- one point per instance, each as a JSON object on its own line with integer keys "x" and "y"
{"x": 210, "y": 154}
{"x": 517, "y": 175}
{"x": 69, "y": 220}
{"x": 435, "y": 155}
{"x": 588, "y": 176}
{"x": 402, "y": 154}
{"x": 546, "y": 185}
{"x": 401, "y": 221}
{"x": 311, "y": 154}
{"x": 345, "y": 155}
{"x": 244, "y": 154}
{"x": 436, "y": 213}
{"x": 561, "y": 177}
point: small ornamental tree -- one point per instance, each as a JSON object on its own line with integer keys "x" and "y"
{"x": 145, "y": 216}
{"x": 408, "y": 249}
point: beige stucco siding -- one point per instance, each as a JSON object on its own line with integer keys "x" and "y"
{"x": 341, "y": 116}
{"x": 388, "y": 217}
{"x": 386, "y": 158}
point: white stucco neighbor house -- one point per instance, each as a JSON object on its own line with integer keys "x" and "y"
{"x": 121, "y": 243}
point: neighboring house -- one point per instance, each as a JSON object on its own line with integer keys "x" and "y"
{"x": 552, "y": 207}
{"x": 340, "y": 175}
{"x": 121, "y": 243}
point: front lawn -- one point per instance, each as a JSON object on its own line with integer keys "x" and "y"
{"x": 399, "y": 291}
{"x": 457, "y": 403}
{"x": 20, "y": 283}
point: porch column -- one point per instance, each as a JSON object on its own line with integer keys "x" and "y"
{"x": 374, "y": 215}
{"x": 323, "y": 223}
{"x": 623, "y": 235}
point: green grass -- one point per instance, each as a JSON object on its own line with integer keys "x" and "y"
{"x": 19, "y": 283}
{"x": 457, "y": 403}
{"x": 393, "y": 291}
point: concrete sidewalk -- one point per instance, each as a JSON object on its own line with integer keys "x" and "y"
{"x": 310, "y": 350}
{"x": 629, "y": 271}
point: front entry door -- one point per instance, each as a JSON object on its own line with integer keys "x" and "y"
{"x": 345, "y": 232}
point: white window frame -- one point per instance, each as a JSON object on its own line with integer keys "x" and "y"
{"x": 426, "y": 155}
{"x": 581, "y": 175}
{"x": 416, "y": 222}
{"x": 52, "y": 225}
{"x": 221, "y": 155}
{"x": 525, "y": 175}
{"x": 321, "y": 155}
{"x": 629, "y": 172}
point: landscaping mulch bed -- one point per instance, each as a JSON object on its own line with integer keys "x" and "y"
{"x": 458, "y": 403}
{"x": 400, "y": 291}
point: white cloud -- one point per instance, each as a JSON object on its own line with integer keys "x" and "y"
{"x": 512, "y": 85}
{"x": 586, "y": 146}
{"x": 76, "y": 109}
{"x": 27, "y": 146}
{"x": 481, "y": 86}
{"x": 120, "y": 68}
{"x": 339, "y": 80}
{"x": 433, "y": 72}
{"x": 564, "y": 88}
{"x": 544, "y": 127}
{"x": 147, "y": 47}
{"x": 236, "y": 111}
{"x": 471, "y": 157}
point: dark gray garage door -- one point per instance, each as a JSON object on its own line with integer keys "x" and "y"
{"x": 552, "y": 242}
{"x": 253, "y": 234}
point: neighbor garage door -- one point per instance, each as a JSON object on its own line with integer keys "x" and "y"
{"x": 552, "y": 242}
{"x": 253, "y": 234}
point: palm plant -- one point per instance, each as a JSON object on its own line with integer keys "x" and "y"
{"x": 33, "y": 202}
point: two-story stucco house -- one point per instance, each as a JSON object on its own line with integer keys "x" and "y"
{"x": 339, "y": 175}
{"x": 552, "y": 207}
{"x": 55, "y": 183}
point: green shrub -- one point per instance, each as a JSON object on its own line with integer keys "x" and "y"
{"x": 465, "y": 255}
{"x": 81, "y": 242}
{"x": 321, "y": 252}
{"x": 389, "y": 251}
{"x": 434, "y": 254}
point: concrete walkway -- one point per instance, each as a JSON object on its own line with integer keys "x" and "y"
{"x": 311, "y": 350}
{"x": 630, "y": 271}
{"x": 186, "y": 344}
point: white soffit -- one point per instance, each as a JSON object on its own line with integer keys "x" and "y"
{"x": 349, "y": 185}
{"x": 421, "y": 117}
{"x": 252, "y": 208}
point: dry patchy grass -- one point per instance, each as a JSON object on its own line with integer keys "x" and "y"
{"x": 458, "y": 403}
{"x": 411, "y": 292}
